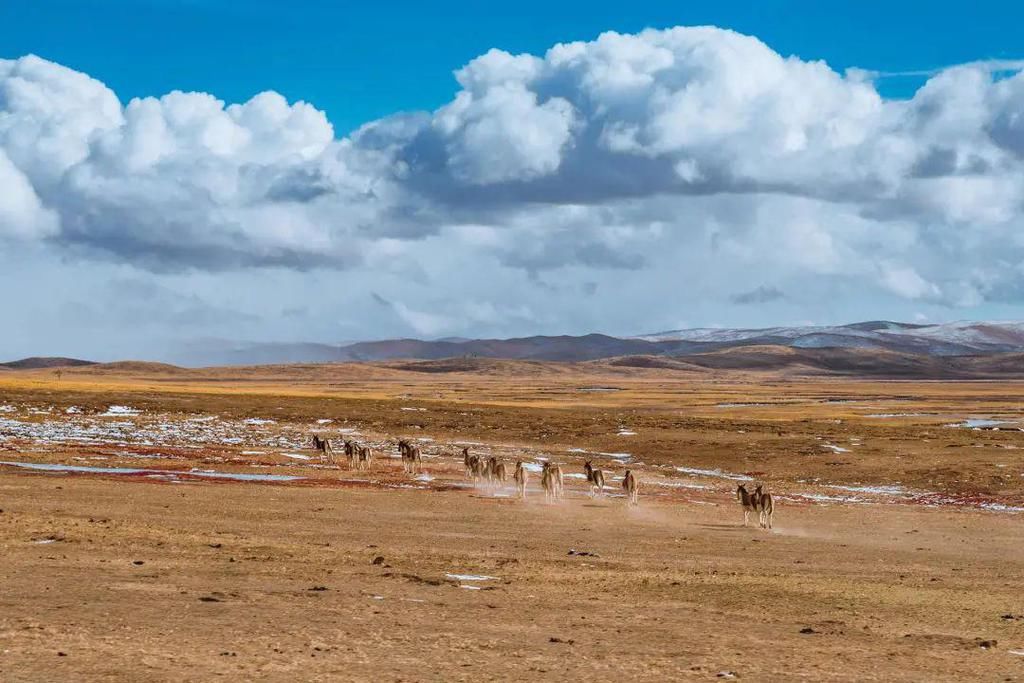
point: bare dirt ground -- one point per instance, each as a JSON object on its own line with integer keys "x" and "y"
{"x": 897, "y": 552}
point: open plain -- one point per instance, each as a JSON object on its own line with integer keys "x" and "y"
{"x": 168, "y": 524}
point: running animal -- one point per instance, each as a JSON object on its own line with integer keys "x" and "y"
{"x": 748, "y": 502}
{"x": 323, "y": 446}
{"x": 632, "y": 488}
{"x": 765, "y": 505}
{"x": 551, "y": 482}
{"x": 478, "y": 468}
{"x": 595, "y": 477}
{"x": 496, "y": 473}
{"x": 364, "y": 455}
{"x": 521, "y": 476}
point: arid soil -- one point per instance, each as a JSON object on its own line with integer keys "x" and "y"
{"x": 896, "y": 554}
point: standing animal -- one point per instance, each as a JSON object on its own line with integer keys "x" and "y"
{"x": 632, "y": 488}
{"x": 551, "y": 482}
{"x": 411, "y": 456}
{"x": 747, "y": 501}
{"x": 595, "y": 477}
{"x": 414, "y": 459}
{"x": 467, "y": 461}
{"x": 521, "y": 476}
{"x": 350, "y": 452}
{"x": 765, "y": 505}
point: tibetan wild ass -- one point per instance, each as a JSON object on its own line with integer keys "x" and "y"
{"x": 632, "y": 488}
{"x": 521, "y": 476}
{"x": 595, "y": 477}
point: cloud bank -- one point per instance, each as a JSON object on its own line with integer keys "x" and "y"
{"x": 658, "y": 176}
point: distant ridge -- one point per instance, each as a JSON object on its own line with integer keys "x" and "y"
{"x": 40, "y": 363}
{"x": 948, "y": 339}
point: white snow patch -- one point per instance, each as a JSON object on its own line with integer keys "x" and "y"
{"x": 878, "y": 490}
{"x": 471, "y": 577}
{"x": 297, "y": 456}
{"x": 718, "y": 474}
{"x": 258, "y": 421}
{"x": 120, "y": 411}
{"x": 834, "y": 448}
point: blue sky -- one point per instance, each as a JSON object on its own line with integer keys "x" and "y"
{"x": 359, "y": 61}
{"x": 173, "y": 170}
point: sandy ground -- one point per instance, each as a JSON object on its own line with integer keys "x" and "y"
{"x": 903, "y": 564}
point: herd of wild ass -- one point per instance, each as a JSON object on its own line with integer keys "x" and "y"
{"x": 492, "y": 473}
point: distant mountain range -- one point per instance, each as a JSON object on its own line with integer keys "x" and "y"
{"x": 948, "y": 339}
{"x": 869, "y": 349}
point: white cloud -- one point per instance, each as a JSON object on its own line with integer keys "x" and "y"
{"x": 666, "y": 173}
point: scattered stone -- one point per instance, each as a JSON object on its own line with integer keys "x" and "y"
{"x": 215, "y": 545}
{"x": 378, "y": 560}
{"x": 808, "y": 629}
{"x": 986, "y": 644}
{"x": 553, "y": 639}
{"x": 318, "y": 588}
{"x": 138, "y": 563}
{"x": 209, "y": 598}
{"x": 582, "y": 553}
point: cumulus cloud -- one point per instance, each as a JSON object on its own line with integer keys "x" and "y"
{"x": 680, "y": 165}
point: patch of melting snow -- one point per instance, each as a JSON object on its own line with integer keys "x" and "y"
{"x": 324, "y": 421}
{"x": 883, "y": 416}
{"x": 534, "y": 467}
{"x": 415, "y": 410}
{"x": 471, "y": 577}
{"x": 1019, "y": 653}
{"x": 575, "y": 475}
{"x": 8, "y": 409}
{"x": 626, "y": 432}
{"x": 834, "y": 448}
{"x": 297, "y": 456}
{"x": 73, "y": 410}
{"x": 120, "y": 411}
{"x": 424, "y": 477}
{"x": 253, "y": 452}
{"x": 469, "y": 588}
{"x": 877, "y": 490}
{"x": 617, "y": 456}
{"x": 718, "y": 474}
{"x": 676, "y": 484}
{"x": 999, "y": 507}
{"x": 258, "y": 421}
{"x": 44, "y": 541}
